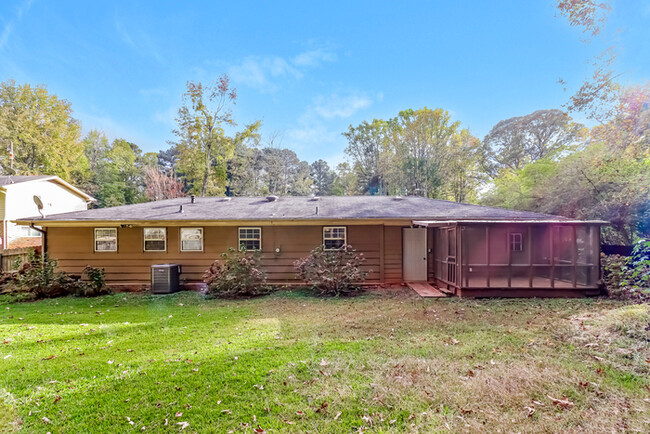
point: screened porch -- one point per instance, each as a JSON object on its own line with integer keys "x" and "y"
{"x": 513, "y": 255}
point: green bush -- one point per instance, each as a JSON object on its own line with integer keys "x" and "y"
{"x": 236, "y": 274}
{"x": 626, "y": 279}
{"x": 640, "y": 262}
{"x": 333, "y": 272}
{"x": 39, "y": 278}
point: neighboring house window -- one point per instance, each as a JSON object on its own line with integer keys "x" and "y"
{"x": 334, "y": 237}
{"x": 250, "y": 238}
{"x": 191, "y": 239}
{"x": 155, "y": 239}
{"x": 516, "y": 242}
{"x": 106, "y": 239}
{"x": 26, "y": 231}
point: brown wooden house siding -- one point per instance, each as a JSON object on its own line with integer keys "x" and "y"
{"x": 73, "y": 248}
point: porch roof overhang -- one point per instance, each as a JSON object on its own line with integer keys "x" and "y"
{"x": 436, "y": 223}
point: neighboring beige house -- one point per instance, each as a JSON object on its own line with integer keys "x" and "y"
{"x": 17, "y": 201}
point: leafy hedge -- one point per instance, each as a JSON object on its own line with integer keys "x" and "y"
{"x": 38, "y": 278}
{"x": 236, "y": 274}
{"x": 628, "y": 278}
{"x": 333, "y": 272}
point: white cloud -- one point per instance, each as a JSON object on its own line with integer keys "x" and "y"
{"x": 341, "y": 106}
{"x": 263, "y": 72}
{"x": 9, "y": 27}
{"x": 314, "y": 58}
{"x": 124, "y": 34}
{"x": 257, "y": 72}
{"x": 312, "y": 133}
{"x": 167, "y": 117}
{"x": 158, "y": 91}
{"x": 138, "y": 41}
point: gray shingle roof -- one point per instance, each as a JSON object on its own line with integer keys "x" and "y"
{"x": 13, "y": 179}
{"x": 298, "y": 208}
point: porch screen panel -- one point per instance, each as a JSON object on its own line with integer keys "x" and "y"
{"x": 587, "y": 256}
{"x": 475, "y": 268}
{"x": 541, "y": 255}
{"x": 499, "y": 250}
{"x": 563, "y": 250}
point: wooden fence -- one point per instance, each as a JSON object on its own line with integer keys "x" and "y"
{"x": 11, "y": 260}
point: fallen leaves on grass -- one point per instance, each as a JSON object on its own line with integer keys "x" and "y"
{"x": 562, "y": 403}
{"x": 531, "y": 411}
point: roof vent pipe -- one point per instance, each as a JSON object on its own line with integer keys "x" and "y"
{"x": 316, "y": 210}
{"x": 181, "y": 210}
{"x": 192, "y": 198}
{"x": 271, "y": 198}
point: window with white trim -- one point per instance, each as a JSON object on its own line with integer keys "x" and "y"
{"x": 250, "y": 238}
{"x": 155, "y": 239}
{"x": 334, "y": 237}
{"x": 26, "y": 231}
{"x": 516, "y": 242}
{"x": 106, "y": 239}
{"x": 191, "y": 239}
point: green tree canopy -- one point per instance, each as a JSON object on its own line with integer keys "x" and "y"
{"x": 44, "y": 135}
{"x": 202, "y": 146}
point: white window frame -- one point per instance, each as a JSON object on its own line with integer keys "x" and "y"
{"x": 144, "y": 239}
{"x": 95, "y": 240}
{"x": 516, "y": 241}
{"x": 180, "y": 237}
{"x": 29, "y": 232}
{"x": 345, "y": 236}
{"x": 240, "y": 239}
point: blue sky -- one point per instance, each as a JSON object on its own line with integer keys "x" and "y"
{"x": 307, "y": 70}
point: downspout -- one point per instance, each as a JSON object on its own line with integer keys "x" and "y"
{"x": 44, "y": 233}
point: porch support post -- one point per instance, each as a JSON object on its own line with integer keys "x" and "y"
{"x": 530, "y": 256}
{"x": 382, "y": 271}
{"x": 574, "y": 256}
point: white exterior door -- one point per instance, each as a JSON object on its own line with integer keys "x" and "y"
{"x": 414, "y": 254}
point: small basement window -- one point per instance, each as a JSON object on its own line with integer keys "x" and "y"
{"x": 106, "y": 239}
{"x": 516, "y": 242}
{"x": 250, "y": 238}
{"x": 334, "y": 237}
{"x": 155, "y": 239}
{"x": 191, "y": 239}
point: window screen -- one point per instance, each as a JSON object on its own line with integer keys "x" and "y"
{"x": 106, "y": 239}
{"x": 250, "y": 238}
{"x": 191, "y": 239}
{"x": 334, "y": 237}
{"x": 155, "y": 239}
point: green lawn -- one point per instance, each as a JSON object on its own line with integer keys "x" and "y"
{"x": 290, "y": 362}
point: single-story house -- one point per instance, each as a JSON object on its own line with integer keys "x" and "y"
{"x": 469, "y": 250}
{"x": 17, "y": 194}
